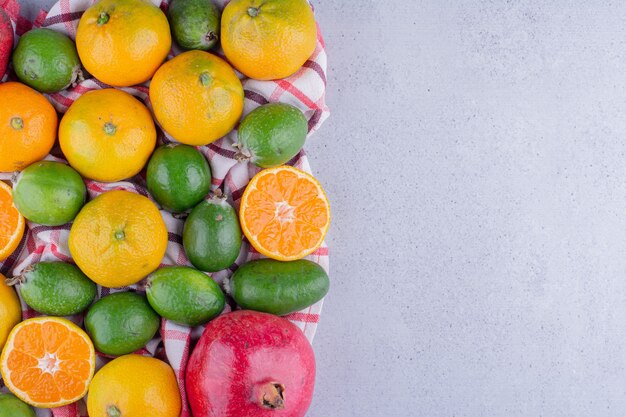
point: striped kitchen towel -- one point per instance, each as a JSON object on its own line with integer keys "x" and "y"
{"x": 305, "y": 90}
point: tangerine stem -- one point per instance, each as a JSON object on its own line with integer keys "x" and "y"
{"x": 113, "y": 411}
{"x": 109, "y": 128}
{"x": 205, "y": 79}
{"x": 102, "y": 18}
{"x": 253, "y": 11}
{"x": 17, "y": 123}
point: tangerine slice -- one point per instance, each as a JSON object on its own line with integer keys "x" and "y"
{"x": 12, "y": 223}
{"x": 284, "y": 213}
{"x": 48, "y": 362}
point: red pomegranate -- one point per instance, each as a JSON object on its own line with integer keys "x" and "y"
{"x": 6, "y": 41}
{"x": 251, "y": 364}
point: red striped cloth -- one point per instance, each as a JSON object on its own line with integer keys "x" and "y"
{"x": 305, "y": 90}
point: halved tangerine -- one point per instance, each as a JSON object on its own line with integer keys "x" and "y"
{"x": 12, "y": 223}
{"x": 48, "y": 362}
{"x": 284, "y": 213}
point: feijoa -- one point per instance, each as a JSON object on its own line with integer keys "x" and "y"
{"x": 195, "y": 23}
{"x": 46, "y": 60}
{"x": 184, "y": 295}
{"x": 212, "y": 235}
{"x": 49, "y": 193}
{"x": 11, "y": 406}
{"x": 278, "y": 287}
{"x": 178, "y": 177}
{"x": 56, "y": 288}
{"x": 271, "y": 134}
{"x": 121, "y": 323}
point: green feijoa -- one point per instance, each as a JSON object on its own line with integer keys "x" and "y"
{"x": 271, "y": 134}
{"x": 195, "y": 23}
{"x": 121, "y": 323}
{"x": 184, "y": 295}
{"x": 49, "y": 193}
{"x": 212, "y": 235}
{"x": 178, "y": 177}
{"x": 46, "y": 60}
{"x": 278, "y": 287}
{"x": 11, "y": 406}
{"x": 56, "y": 288}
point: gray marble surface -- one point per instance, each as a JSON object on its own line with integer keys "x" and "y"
{"x": 475, "y": 160}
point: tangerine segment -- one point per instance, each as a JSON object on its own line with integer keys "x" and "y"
{"x": 12, "y": 223}
{"x": 48, "y": 362}
{"x": 284, "y": 213}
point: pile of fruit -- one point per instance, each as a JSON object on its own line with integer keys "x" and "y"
{"x": 249, "y": 361}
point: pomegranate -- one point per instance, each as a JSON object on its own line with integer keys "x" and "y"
{"x": 251, "y": 364}
{"x": 6, "y": 41}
